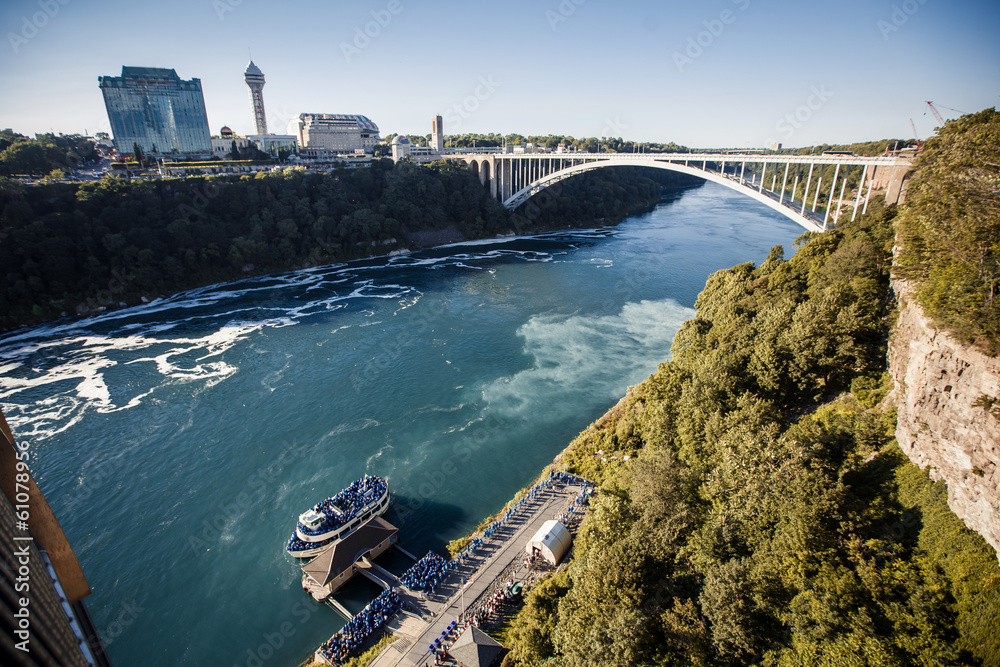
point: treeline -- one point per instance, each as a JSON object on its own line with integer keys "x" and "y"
{"x": 551, "y": 141}
{"x": 949, "y": 229}
{"x": 877, "y": 147}
{"x": 766, "y": 515}
{"x": 70, "y": 248}
{"x": 47, "y": 153}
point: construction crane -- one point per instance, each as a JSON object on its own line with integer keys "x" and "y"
{"x": 934, "y": 111}
{"x": 937, "y": 115}
{"x": 914, "y": 128}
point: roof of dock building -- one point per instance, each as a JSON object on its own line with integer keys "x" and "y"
{"x": 341, "y": 556}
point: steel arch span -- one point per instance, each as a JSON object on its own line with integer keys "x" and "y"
{"x": 811, "y": 222}
{"x": 514, "y": 178}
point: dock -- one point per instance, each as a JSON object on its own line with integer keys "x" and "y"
{"x": 499, "y": 561}
{"x": 500, "y": 558}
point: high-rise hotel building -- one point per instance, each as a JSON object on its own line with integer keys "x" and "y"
{"x": 159, "y": 111}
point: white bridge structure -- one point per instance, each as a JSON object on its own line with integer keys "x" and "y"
{"x": 793, "y": 185}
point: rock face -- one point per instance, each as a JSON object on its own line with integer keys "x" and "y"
{"x": 937, "y": 382}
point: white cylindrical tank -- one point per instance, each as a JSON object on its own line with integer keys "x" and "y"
{"x": 552, "y": 541}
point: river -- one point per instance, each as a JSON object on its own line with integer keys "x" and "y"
{"x": 177, "y": 441}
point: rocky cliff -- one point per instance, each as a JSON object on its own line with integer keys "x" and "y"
{"x": 940, "y": 425}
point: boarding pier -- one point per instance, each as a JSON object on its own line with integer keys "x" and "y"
{"x": 436, "y": 605}
{"x": 499, "y": 561}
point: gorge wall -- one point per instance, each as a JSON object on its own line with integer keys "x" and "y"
{"x": 937, "y": 382}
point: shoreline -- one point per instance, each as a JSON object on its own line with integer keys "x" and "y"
{"x": 557, "y": 465}
{"x": 447, "y": 235}
{"x": 104, "y": 311}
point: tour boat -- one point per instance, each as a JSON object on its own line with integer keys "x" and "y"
{"x": 335, "y": 518}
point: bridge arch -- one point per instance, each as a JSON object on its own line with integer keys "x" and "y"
{"x": 484, "y": 173}
{"x": 474, "y": 166}
{"x": 525, "y": 193}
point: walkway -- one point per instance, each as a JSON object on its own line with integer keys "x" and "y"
{"x": 426, "y": 619}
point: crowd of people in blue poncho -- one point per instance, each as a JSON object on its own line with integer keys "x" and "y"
{"x": 426, "y": 574}
{"x": 338, "y": 647}
{"x": 349, "y": 502}
{"x": 575, "y": 510}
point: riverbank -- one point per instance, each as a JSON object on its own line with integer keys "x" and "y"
{"x": 77, "y": 249}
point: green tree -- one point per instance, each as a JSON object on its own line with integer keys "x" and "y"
{"x": 24, "y": 157}
{"x": 949, "y": 228}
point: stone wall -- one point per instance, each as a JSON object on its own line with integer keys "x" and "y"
{"x": 937, "y": 381}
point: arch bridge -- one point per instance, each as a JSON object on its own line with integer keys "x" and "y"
{"x": 793, "y": 185}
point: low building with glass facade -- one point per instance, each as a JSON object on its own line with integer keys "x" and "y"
{"x": 158, "y": 111}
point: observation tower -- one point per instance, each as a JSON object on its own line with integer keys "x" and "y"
{"x": 255, "y": 82}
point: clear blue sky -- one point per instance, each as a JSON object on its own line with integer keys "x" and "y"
{"x": 629, "y": 68}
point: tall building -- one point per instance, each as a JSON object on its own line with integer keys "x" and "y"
{"x": 41, "y": 583}
{"x": 437, "y": 134}
{"x": 255, "y": 82}
{"x": 321, "y": 133}
{"x": 158, "y": 111}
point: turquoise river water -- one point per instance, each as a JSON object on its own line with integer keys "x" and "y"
{"x": 178, "y": 441}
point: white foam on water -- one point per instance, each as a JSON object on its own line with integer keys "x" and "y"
{"x": 75, "y": 356}
{"x": 6, "y": 368}
{"x": 572, "y": 353}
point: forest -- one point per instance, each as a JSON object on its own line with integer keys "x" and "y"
{"x": 949, "y": 230}
{"x": 73, "y": 248}
{"x": 766, "y": 514}
{"x": 49, "y": 155}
